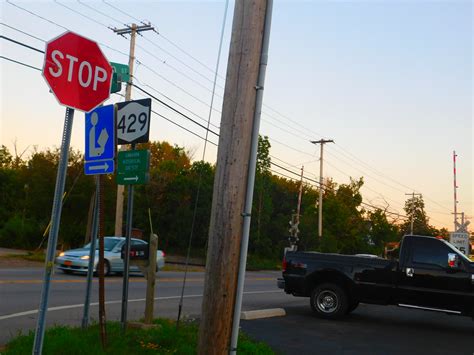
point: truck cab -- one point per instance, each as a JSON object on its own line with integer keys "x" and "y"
{"x": 434, "y": 275}
{"x": 430, "y": 274}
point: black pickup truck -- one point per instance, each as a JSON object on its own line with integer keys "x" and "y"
{"x": 430, "y": 274}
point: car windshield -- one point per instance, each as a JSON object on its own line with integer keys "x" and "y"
{"x": 109, "y": 244}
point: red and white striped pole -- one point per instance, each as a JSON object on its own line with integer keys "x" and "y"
{"x": 455, "y": 194}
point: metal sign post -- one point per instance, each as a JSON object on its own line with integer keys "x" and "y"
{"x": 123, "y": 317}
{"x": 53, "y": 232}
{"x": 133, "y": 126}
{"x": 66, "y": 81}
{"x": 93, "y": 247}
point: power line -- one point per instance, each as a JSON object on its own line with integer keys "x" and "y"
{"x": 25, "y": 33}
{"x": 122, "y": 12}
{"x": 176, "y": 70}
{"x": 95, "y": 10}
{"x": 181, "y": 61}
{"x": 174, "y": 109}
{"x": 56, "y": 24}
{"x": 36, "y": 15}
{"x": 21, "y": 63}
{"x": 30, "y": 47}
{"x": 176, "y": 124}
{"x": 21, "y": 44}
{"x": 195, "y": 134}
{"x": 173, "y": 101}
{"x": 81, "y": 14}
{"x": 177, "y": 86}
{"x": 179, "y": 48}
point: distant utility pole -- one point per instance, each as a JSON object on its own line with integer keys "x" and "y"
{"x": 456, "y": 225}
{"x": 132, "y": 30}
{"x": 233, "y": 182}
{"x": 320, "y": 204}
{"x": 300, "y": 194}
{"x": 412, "y": 209}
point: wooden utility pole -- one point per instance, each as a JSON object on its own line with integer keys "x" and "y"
{"x": 132, "y": 31}
{"x": 320, "y": 204}
{"x": 226, "y": 226}
{"x": 412, "y": 219}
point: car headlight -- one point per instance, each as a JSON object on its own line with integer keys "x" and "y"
{"x": 85, "y": 257}
{"x": 61, "y": 253}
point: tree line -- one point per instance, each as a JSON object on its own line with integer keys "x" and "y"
{"x": 27, "y": 189}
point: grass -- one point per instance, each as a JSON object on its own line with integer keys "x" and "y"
{"x": 165, "y": 339}
{"x": 255, "y": 263}
{"x": 30, "y": 256}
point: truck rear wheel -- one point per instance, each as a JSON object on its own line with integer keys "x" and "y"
{"x": 329, "y": 301}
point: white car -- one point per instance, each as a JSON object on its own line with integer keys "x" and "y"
{"x": 77, "y": 260}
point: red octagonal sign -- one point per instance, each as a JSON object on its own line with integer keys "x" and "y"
{"x": 77, "y": 71}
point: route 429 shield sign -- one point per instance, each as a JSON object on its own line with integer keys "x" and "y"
{"x": 133, "y": 121}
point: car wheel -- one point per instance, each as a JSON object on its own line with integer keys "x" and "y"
{"x": 106, "y": 268}
{"x": 329, "y": 301}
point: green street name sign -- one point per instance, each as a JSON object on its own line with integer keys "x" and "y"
{"x": 133, "y": 167}
{"x": 121, "y": 74}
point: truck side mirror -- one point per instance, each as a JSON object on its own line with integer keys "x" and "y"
{"x": 453, "y": 260}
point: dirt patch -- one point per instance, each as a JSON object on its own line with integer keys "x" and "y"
{"x": 16, "y": 262}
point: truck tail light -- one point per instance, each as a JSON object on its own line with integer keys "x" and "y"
{"x": 283, "y": 264}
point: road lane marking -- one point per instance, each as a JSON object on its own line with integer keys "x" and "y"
{"x": 59, "y": 308}
{"x": 3, "y": 282}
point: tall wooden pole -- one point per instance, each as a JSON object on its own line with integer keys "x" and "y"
{"x": 132, "y": 30}
{"x": 321, "y": 189}
{"x": 225, "y": 232}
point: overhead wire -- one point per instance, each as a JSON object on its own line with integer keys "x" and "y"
{"x": 105, "y": 45}
{"x": 174, "y": 109}
{"x": 23, "y": 32}
{"x": 36, "y": 15}
{"x": 175, "y": 69}
{"x": 21, "y": 44}
{"x": 173, "y": 101}
{"x": 18, "y": 62}
{"x": 177, "y": 86}
{"x": 81, "y": 14}
{"x": 189, "y": 78}
{"x": 200, "y": 171}
{"x": 180, "y": 61}
{"x": 96, "y": 10}
{"x": 182, "y": 50}
{"x": 277, "y": 165}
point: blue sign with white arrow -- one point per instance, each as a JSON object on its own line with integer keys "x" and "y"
{"x": 100, "y": 141}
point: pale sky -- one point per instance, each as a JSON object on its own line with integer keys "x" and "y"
{"x": 389, "y": 81}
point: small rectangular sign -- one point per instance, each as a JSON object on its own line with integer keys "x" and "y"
{"x": 460, "y": 241}
{"x": 99, "y": 167}
{"x": 100, "y": 134}
{"x": 133, "y": 167}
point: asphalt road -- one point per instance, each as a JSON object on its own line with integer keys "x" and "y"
{"x": 20, "y": 291}
{"x": 369, "y": 330}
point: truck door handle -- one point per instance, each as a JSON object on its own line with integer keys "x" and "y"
{"x": 410, "y": 271}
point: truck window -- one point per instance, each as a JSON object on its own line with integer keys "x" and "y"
{"x": 430, "y": 252}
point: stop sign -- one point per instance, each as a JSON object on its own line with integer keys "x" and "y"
{"x": 77, "y": 71}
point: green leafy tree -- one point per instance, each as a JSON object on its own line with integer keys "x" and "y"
{"x": 262, "y": 208}
{"x": 381, "y": 231}
{"x": 415, "y": 210}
